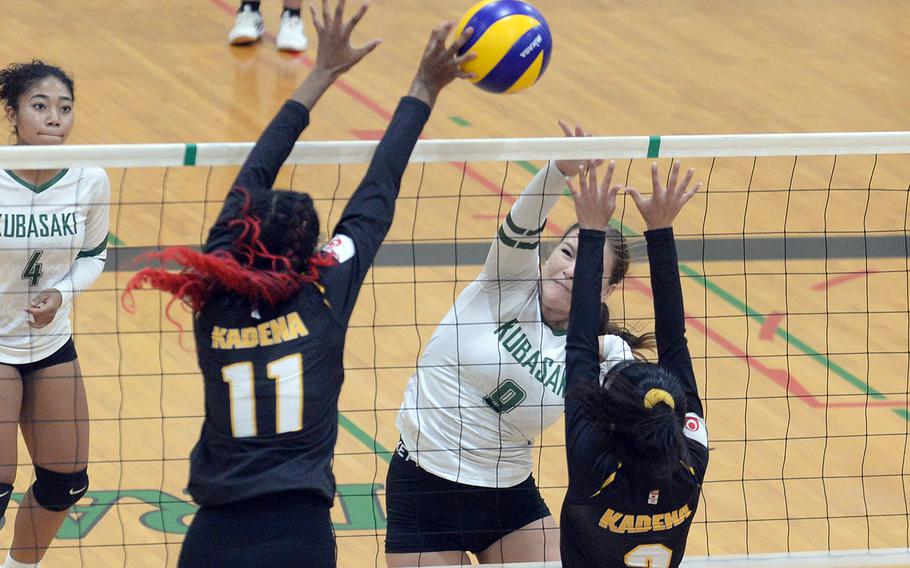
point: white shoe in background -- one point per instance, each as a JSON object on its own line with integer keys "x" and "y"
{"x": 290, "y": 34}
{"x": 248, "y": 27}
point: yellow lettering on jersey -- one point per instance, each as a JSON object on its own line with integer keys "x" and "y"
{"x": 233, "y": 339}
{"x": 629, "y": 524}
{"x": 684, "y": 513}
{"x": 265, "y": 334}
{"x": 273, "y": 332}
{"x": 279, "y": 327}
{"x": 295, "y": 326}
{"x": 250, "y": 337}
{"x": 642, "y": 523}
{"x": 218, "y": 337}
{"x": 609, "y": 520}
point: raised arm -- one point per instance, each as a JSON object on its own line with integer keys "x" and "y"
{"x": 515, "y": 252}
{"x": 594, "y": 205}
{"x": 367, "y": 216}
{"x": 659, "y": 211}
{"x": 335, "y": 56}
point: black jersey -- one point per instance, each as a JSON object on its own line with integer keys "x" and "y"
{"x": 613, "y": 515}
{"x": 273, "y": 374}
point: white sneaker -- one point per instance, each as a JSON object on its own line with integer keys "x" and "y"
{"x": 247, "y": 28}
{"x": 290, "y": 34}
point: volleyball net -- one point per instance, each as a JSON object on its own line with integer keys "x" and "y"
{"x": 796, "y": 273}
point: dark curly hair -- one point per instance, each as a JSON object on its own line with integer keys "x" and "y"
{"x": 272, "y": 255}
{"x": 18, "y": 78}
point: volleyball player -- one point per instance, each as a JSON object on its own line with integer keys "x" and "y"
{"x": 636, "y": 444}
{"x": 53, "y": 241}
{"x": 490, "y": 379}
{"x": 271, "y": 316}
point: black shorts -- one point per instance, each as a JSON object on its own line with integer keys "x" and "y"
{"x": 427, "y": 513}
{"x": 65, "y": 354}
{"x": 278, "y": 530}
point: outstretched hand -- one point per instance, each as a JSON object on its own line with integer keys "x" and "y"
{"x": 665, "y": 203}
{"x": 440, "y": 65}
{"x": 570, "y": 167}
{"x": 335, "y": 53}
{"x": 594, "y": 203}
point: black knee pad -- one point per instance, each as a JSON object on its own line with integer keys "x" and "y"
{"x": 6, "y": 493}
{"x": 59, "y": 491}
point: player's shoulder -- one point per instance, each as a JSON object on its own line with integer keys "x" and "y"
{"x": 695, "y": 429}
{"x": 341, "y": 247}
{"x": 94, "y": 179}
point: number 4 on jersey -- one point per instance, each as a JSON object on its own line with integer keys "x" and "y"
{"x": 32, "y": 271}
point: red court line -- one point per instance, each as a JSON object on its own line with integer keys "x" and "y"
{"x": 309, "y": 63}
{"x": 769, "y": 327}
{"x": 368, "y": 134}
{"x": 831, "y": 282}
{"x": 778, "y": 376}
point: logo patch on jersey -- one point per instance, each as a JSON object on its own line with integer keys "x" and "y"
{"x": 653, "y": 496}
{"x": 341, "y": 247}
{"x": 695, "y": 429}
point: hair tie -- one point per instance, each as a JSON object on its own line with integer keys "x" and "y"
{"x": 655, "y": 396}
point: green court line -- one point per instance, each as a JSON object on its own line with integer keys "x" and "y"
{"x": 364, "y": 438}
{"x": 459, "y": 121}
{"x": 796, "y": 342}
{"x": 114, "y": 240}
{"x": 527, "y": 166}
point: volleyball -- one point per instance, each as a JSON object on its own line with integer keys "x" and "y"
{"x": 512, "y": 42}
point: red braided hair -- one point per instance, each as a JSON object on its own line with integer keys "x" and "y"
{"x": 205, "y": 274}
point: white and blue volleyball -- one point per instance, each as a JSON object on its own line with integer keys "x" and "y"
{"x": 512, "y": 42}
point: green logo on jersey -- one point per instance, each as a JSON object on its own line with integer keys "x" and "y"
{"x": 20, "y": 225}
{"x": 506, "y": 397}
{"x": 32, "y": 271}
{"x": 544, "y": 370}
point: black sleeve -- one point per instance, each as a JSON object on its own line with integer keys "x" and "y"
{"x": 261, "y": 167}
{"x": 368, "y": 215}
{"x": 586, "y": 452}
{"x": 669, "y": 316}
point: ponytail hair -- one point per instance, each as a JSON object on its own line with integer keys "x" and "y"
{"x": 641, "y": 407}
{"x": 271, "y": 257}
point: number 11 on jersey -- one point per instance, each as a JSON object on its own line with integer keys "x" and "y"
{"x": 287, "y": 373}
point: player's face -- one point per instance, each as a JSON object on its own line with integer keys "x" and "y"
{"x": 45, "y": 115}
{"x": 558, "y": 273}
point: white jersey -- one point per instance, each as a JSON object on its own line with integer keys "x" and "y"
{"x": 493, "y": 375}
{"x": 51, "y": 236}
